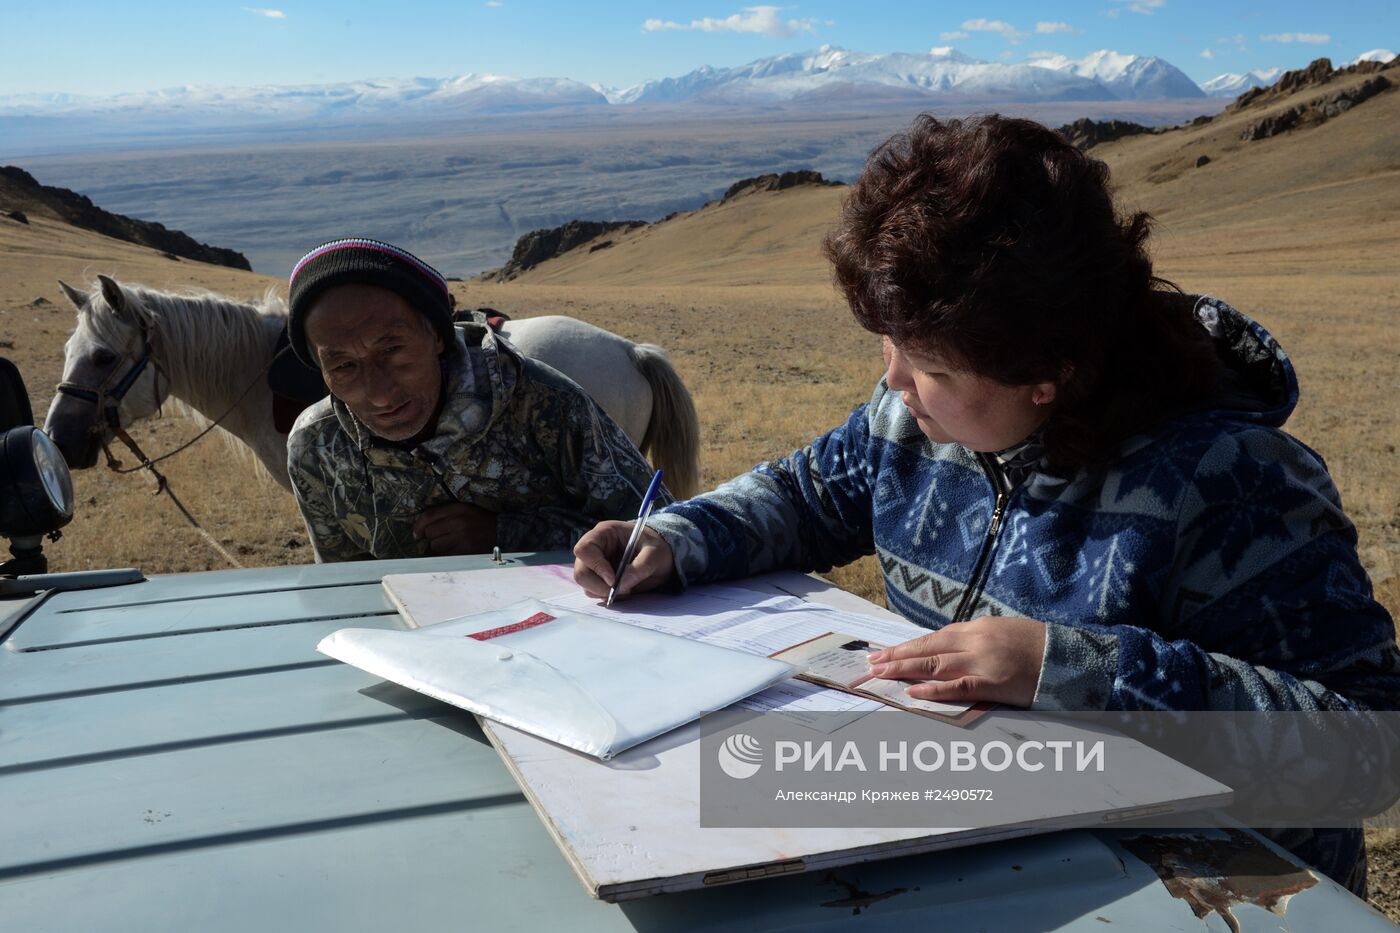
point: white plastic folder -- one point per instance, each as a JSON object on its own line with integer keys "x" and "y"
{"x": 586, "y": 683}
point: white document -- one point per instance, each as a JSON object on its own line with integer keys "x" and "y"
{"x": 739, "y": 619}
{"x": 587, "y": 683}
{"x": 734, "y": 618}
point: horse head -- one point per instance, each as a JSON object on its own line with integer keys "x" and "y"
{"x": 109, "y": 377}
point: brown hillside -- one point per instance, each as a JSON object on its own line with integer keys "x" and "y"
{"x": 755, "y": 238}
{"x": 22, "y": 195}
{"x": 1323, "y": 196}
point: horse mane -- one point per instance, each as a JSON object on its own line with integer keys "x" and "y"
{"x": 200, "y": 338}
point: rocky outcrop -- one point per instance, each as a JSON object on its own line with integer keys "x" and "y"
{"x": 1318, "y": 110}
{"x": 1318, "y": 73}
{"x": 19, "y": 189}
{"x": 1086, "y": 134}
{"x": 776, "y": 182}
{"x": 539, "y": 245}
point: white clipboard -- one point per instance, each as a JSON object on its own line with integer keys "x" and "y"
{"x": 630, "y": 828}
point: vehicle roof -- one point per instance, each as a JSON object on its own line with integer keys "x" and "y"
{"x": 174, "y": 754}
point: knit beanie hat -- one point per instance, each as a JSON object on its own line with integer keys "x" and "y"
{"x": 366, "y": 262}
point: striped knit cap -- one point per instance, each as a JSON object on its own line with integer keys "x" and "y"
{"x": 366, "y": 262}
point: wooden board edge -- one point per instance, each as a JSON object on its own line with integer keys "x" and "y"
{"x": 580, "y": 871}
{"x": 1115, "y": 818}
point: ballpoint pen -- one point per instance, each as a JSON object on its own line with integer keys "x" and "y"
{"x": 648, "y": 500}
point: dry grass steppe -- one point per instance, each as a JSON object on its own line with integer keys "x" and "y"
{"x": 1301, "y": 231}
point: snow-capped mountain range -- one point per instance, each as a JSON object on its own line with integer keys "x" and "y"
{"x": 815, "y": 76}
{"x": 1233, "y": 85}
{"x": 465, "y": 93}
{"x": 830, "y": 71}
{"x": 818, "y": 78}
{"x": 1375, "y": 55}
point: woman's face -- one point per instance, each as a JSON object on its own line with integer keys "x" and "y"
{"x": 960, "y": 407}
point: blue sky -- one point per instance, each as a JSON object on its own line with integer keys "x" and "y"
{"x": 91, "y": 47}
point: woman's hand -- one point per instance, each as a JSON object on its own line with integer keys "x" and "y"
{"x": 991, "y": 658}
{"x": 598, "y": 551}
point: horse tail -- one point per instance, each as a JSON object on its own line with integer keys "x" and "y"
{"x": 672, "y": 438}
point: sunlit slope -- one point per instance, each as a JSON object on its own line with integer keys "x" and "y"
{"x": 761, "y": 237}
{"x": 1324, "y": 198}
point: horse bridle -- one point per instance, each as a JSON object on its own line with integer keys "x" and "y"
{"x": 108, "y": 401}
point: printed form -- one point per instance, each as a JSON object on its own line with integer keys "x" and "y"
{"x": 737, "y": 618}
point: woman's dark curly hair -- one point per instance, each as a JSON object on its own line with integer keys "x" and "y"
{"x": 994, "y": 244}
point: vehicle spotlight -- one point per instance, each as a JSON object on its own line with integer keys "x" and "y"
{"x": 36, "y": 490}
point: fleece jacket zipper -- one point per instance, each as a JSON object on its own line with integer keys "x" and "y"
{"x": 982, "y": 569}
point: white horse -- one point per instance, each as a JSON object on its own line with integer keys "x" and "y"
{"x": 135, "y": 347}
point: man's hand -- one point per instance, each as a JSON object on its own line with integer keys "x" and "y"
{"x": 598, "y": 551}
{"x": 993, "y": 659}
{"x": 456, "y": 528}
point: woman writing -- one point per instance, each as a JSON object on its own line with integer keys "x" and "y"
{"x": 1071, "y": 472}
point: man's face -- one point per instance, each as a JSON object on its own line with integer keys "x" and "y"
{"x": 379, "y": 356}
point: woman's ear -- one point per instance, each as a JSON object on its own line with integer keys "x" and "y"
{"x": 1045, "y": 393}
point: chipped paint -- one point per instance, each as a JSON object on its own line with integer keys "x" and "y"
{"x": 1215, "y": 873}
{"x": 855, "y": 898}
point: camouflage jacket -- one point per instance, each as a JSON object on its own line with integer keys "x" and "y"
{"x": 514, "y": 436}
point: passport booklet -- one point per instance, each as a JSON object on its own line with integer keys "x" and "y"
{"x": 838, "y": 661}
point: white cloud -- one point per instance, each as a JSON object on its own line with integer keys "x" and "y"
{"x": 1207, "y": 54}
{"x": 759, "y": 19}
{"x": 1311, "y": 38}
{"x": 1144, "y": 7}
{"x": 952, "y": 36}
{"x": 270, "y": 14}
{"x": 1045, "y": 29}
{"x": 1002, "y": 28}
{"x": 494, "y": 3}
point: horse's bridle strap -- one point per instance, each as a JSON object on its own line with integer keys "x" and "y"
{"x": 102, "y": 394}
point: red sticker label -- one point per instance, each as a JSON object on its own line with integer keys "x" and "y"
{"x": 539, "y": 618}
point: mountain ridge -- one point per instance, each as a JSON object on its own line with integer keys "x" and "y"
{"x": 22, "y": 194}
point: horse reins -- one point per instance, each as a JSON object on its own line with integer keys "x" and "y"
{"x": 108, "y": 403}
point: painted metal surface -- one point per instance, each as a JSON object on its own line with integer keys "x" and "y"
{"x": 174, "y": 755}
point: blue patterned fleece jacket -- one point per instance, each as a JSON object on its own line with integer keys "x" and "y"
{"x": 1209, "y": 567}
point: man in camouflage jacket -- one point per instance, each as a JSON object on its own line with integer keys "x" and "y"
{"x": 508, "y": 442}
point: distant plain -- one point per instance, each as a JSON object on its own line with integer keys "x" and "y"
{"x": 460, "y": 195}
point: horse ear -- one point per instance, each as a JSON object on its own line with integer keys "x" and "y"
{"x": 112, "y": 293}
{"x": 78, "y": 297}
